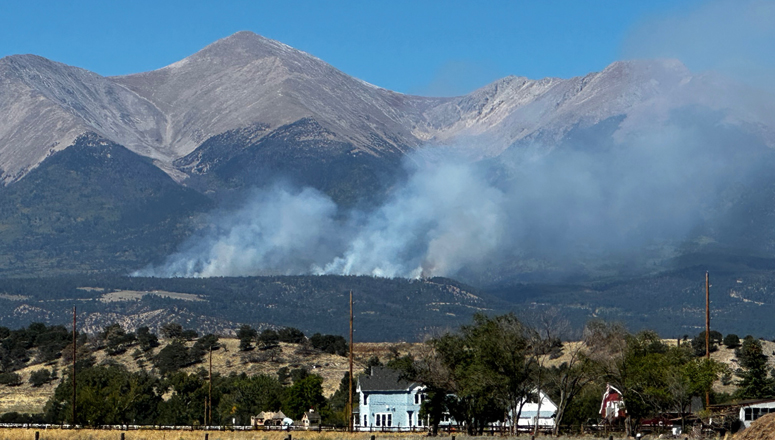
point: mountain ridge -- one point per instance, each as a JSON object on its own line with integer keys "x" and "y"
{"x": 246, "y": 79}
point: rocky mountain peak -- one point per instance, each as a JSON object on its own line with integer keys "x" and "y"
{"x": 242, "y": 49}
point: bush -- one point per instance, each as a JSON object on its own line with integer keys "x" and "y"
{"x": 283, "y": 375}
{"x": 698, "y": 343}
{"x": 268, "y": 338}
{"x": 190, "y": 335}
{"x": 10, "y": 379}
{"x": 329, "y": 344}
{"x": 202, "y": 347}
{"x": 172, "y": 358}
{"x": 147, "y": 340}
{"x": 172, "y": 330}
{"x": 290, "y": 335}
{"x": 116, "y": 339}
{"x": 732, "y": 340}
{"x": 246, "y": 334}
{"x": 15, "y": 417}
{"x": 40, "y": 377}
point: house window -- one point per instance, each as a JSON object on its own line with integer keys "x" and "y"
{"x": 383, "y": 419}
{"x": 748, "y": 414}
{"x": 417, "y": 399}
{"x": 365, "y": 420}
{"x": 365, "y": 398}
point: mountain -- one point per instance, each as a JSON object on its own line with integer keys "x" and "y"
{"x": 246, "y": 80}
{"x": 601, "y": 181}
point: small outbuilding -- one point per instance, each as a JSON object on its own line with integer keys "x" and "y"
{"x": 268, "y": 418}
{"x": 532, "y": 414}
{"x": 612, "y": 407}
{"x": 310, "y": 419}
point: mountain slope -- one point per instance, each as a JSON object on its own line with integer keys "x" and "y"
{"x": 46, "y": 105}
{"x": 93, "y": 206}
{"x": 385, "y": 309}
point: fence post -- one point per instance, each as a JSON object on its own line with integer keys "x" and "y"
{"x": 37, "y": 435}
{"x": 122, "y": 436}
{"x": 207, "y": 436}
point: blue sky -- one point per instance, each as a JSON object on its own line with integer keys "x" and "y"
{"x": 422, "y": 46}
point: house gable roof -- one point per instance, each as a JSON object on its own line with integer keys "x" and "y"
{"x": 383, "y": 379}
{"x": 312, "y": 416}
{"x": 270, "y": 415}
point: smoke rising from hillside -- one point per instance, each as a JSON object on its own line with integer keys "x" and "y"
{"x": 594, "y": 199}
{"x": 731, "y": 37}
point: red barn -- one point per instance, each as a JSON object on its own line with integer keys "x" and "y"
{"x": 612, "y": 406}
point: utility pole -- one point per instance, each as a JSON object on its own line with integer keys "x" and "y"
{"x": 210, "y": 391}
{"x": 74, "y": 355}
{"x": 350, "y": 412}
{"x": 707, "y": 329}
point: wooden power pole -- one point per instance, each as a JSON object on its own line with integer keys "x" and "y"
{"x": 75, "y": 352}
{"x": 707, "y": 328}
{"x": 350, "y": 411}
{"x": 210, "y": 392}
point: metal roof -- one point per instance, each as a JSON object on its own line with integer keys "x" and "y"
{"x": 384, "y": 379}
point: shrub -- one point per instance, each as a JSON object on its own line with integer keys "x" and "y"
{"x": 202, "y": 346}
{"x": 10, "y": 379}
{"x": 172, "y": 330}
{"x": 147, "y": 340}
{"x": 290, "y": 335}
{"x": 329, "y": 343}
{"x": 40, "y": 377}
{"x": 246, "y": 334}
{"x": 268, "y": 338}
{"x": 732, "y": 340}
{"x": 172, "y": 358}
{"x": 698, "y": 343}
{"x": 116, "y": 339}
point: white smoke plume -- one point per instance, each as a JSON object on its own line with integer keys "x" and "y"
{"x": 605, "y": 200}
{"x": 280, "y": 231}
{"x": 444, "y": 217}
{"x": 440, "y": 219}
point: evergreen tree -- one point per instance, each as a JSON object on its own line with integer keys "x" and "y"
{"x": 754, "y": 383}
{"x": 291, "y": 335}
{"x": 147, "y": 340}
{"x": 246, "y": 335}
